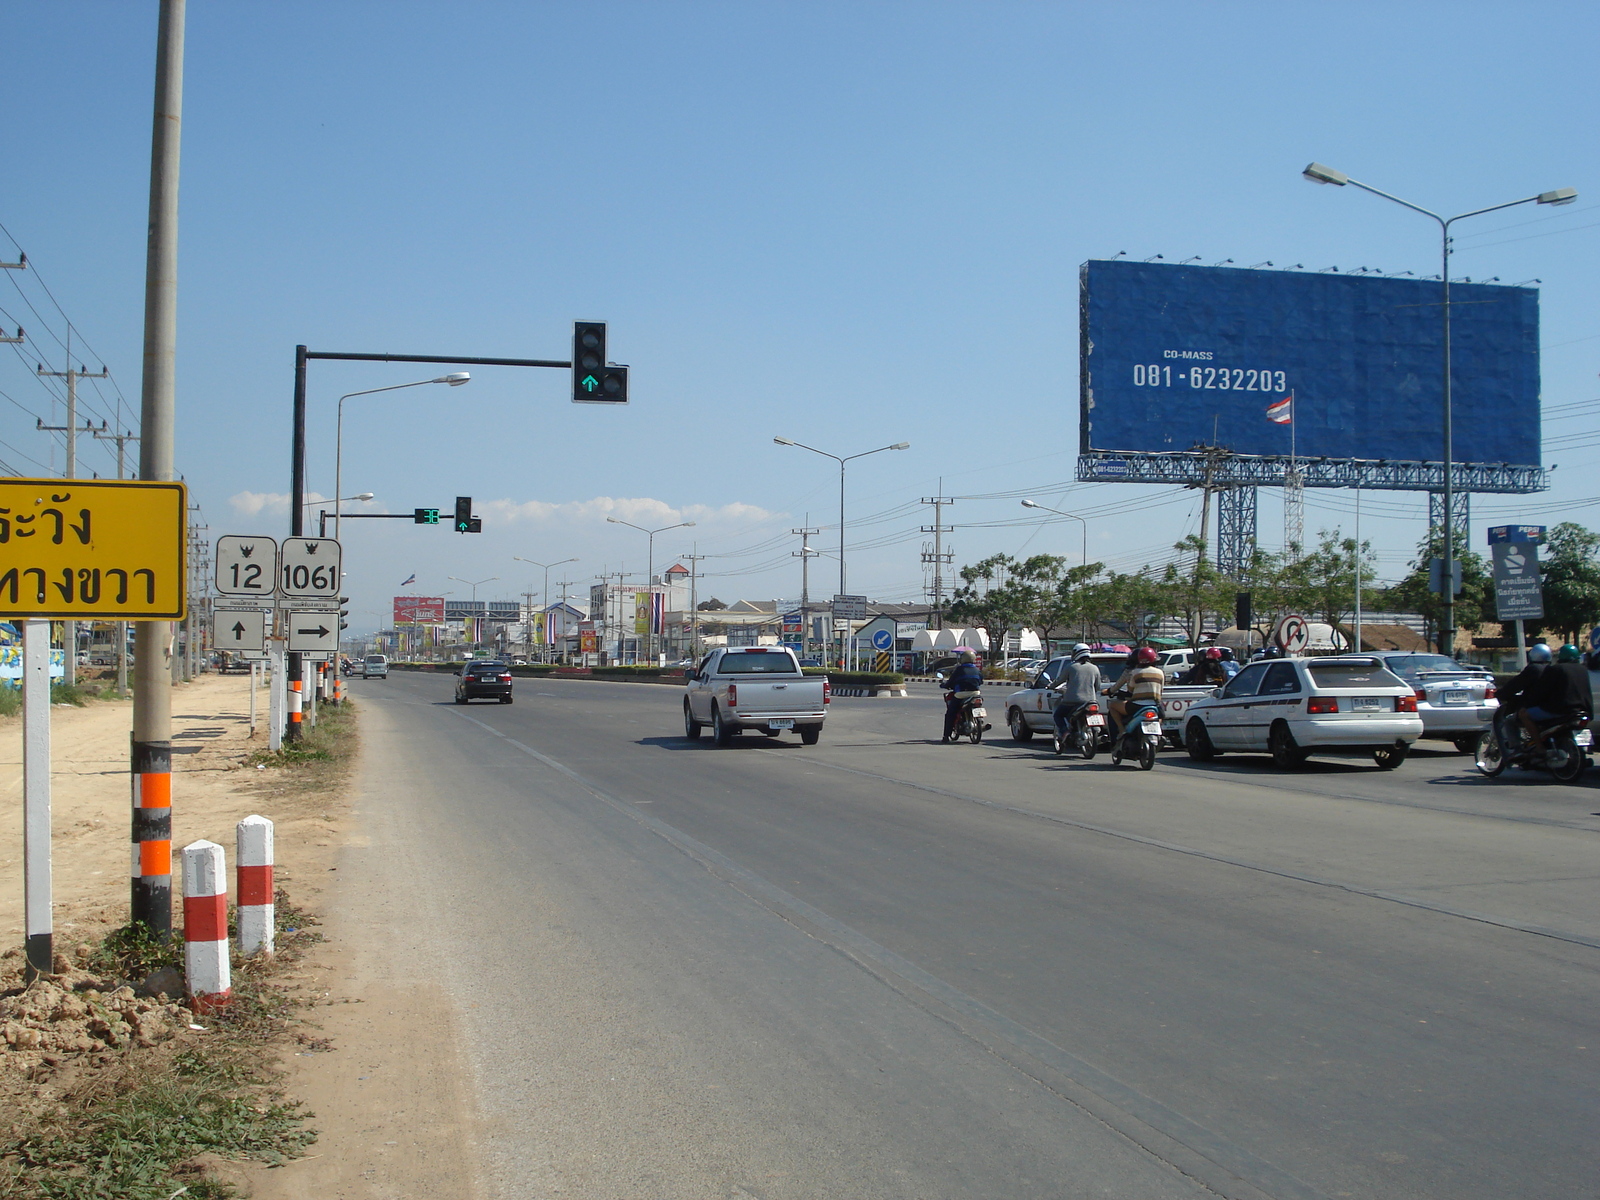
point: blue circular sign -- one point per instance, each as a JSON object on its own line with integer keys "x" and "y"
{"x": 883, "y": 640}
{"x": 1594, "y": 638}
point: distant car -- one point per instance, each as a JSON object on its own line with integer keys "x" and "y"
{"x": 1174, "y": 663}
{"x": 1456, "y": 701}
{"x": 1296, "y": 707}
{"x": 375, "y": 666}
{"x": 481, "y": 680}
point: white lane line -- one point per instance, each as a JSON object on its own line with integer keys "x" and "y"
{"x": 1237, "y": 1162}
{"x": 1560, "y": 935}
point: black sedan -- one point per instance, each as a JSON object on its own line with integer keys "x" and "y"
{"x": 484, "y": 681}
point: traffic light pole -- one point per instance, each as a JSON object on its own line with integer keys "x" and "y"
{"x": 297, "y": 466}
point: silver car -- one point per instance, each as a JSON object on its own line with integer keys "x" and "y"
{"x": 1455, "y": 701}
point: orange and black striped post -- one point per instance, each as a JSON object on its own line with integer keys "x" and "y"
{"x": 296, "y": 702}
{"x": 152, "y": 836}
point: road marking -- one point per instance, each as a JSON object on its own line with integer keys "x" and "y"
{"x": 1559, "y": 935}
{"x": 879, "y": 960}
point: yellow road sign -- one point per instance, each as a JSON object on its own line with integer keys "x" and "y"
{"x": 92, "y": 548}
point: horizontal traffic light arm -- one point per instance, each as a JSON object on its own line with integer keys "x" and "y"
{"x": 441, "y": 358}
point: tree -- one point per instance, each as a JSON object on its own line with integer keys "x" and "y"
{"x": 1474, "y": 603}
{"x": 711, "y": 605}
{"x": 1126, "y": 600}
{"x": 1193, "y": 594}
{"x": 1571, "y": 580}
{"x": 1036, "y": 579}
{"x": 991, "y": 600}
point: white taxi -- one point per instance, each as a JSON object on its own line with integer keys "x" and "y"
{"x": 1295, "y": 707}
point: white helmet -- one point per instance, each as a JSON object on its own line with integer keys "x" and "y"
{"x": 1080, "y": 652}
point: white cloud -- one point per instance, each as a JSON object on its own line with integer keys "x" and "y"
{"x": 276, "y": 504}
{"x": 639, "y": 510}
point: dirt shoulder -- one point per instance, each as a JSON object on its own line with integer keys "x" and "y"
{"x": 373, "y": 1053}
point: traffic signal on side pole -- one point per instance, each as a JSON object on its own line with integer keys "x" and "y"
{"x": 595, "y": 381}
{"x": 463, "y": 514}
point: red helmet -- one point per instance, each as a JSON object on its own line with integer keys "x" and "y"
{"x": 1146, "y": 656}
{"x": 1213, "y": 653}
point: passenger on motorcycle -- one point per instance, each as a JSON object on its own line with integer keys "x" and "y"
{"x": 1560, "y": 692}
{"x": 1206, "y": 670}
{"x": 965, "y": 678}
{"x": 1230, "y": 665}
{"x": 1079, "y": 686}
{"x": 1139, "y": 684}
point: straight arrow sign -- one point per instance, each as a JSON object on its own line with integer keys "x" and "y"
{"x": 241, "y": 629}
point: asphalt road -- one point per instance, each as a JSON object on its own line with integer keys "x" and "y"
{"x": 884, "y": 967}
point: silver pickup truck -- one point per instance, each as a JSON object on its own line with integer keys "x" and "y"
{"x": 757, "y": 687}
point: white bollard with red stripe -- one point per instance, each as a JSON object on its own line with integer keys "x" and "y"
{"x": 205, "y": 926}
{"x": 255, "y": 892}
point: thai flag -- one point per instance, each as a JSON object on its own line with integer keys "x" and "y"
{"x": 410, "y": 579}
{"x": 1281, "y": 413}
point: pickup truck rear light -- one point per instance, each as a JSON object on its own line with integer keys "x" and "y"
{"x": 1488, "y": 692}
{"x": 1327, "y": 704}
{"x": 733, "y": 695}
{"x": 1405, "y": 704}
{"x": 827, "y": 691}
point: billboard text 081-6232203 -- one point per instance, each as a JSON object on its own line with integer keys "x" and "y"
{"x": 1178, "y": 357}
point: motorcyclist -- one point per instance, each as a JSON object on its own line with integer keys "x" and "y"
{"x": 1140, "y": 683}
{"x": 965, "y": 678}
{"x": 1561, "y": 691}
{"x": 1207, "y": 669}
{"x": 1230, "y": 665}
{"x": 1518, "y": 694}
{"x": 1079, "y": 686}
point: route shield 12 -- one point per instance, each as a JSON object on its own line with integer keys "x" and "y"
{"x": 309, "y": 569}
{"x": 246, "y": 566}
{"x": 92, "y": 548}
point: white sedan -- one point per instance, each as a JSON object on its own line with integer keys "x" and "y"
{"x": 1296, "y": 707}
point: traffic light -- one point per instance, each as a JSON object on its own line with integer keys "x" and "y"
{"x": 594, "y": 381}
{"x": 426, "y": 516}
{"x": 463, "y": 513}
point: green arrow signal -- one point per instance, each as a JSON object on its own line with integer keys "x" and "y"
{"x": 588, "y": 383}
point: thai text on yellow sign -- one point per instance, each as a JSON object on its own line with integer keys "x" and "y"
{"x": 92, "y": 548}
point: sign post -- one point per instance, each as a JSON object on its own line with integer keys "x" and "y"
{"x": 38, "y": 924}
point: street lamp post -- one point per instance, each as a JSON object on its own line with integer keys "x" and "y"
{"x": 1318, "y": 173}
{"x": 474, "y": 587}
{"x": 322, "y": 523}
{"x": 650, "y": 573}
{"x": 454, "y": 379}
{"x": 544, "y": 596}
{"x": 1080, "y": 520}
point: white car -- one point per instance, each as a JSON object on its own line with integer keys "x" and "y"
{"x": 1296, "y": 707}
{"x": 375, "y": 666}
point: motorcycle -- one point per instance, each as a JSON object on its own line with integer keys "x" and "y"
{"x": 970, "y": 723}
{"x": 1564, "y": 752}
{"x": 1141, "y": 736}
{"x": 1085, "y": 732}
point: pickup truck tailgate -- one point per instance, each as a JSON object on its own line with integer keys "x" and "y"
{"x": 780, "y": 698}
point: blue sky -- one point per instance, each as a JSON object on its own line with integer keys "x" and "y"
{"x": 842, "y": 223}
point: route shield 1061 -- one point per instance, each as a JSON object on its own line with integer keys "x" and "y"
{"x": 309, "y": 568}
{"x": 92, "y": 548}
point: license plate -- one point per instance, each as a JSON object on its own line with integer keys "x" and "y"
{"x": 785, "y": 723}
{"x": 1151, "y": 726}
{"x": 1366, "y": 703}
{"x": 1458, "y": 697}
{"x": 1095, "y": 720}
{"x": 978, "y": 712}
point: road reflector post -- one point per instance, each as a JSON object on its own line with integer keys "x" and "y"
{"x": 255, "y": 890}
{"x": 205, "y": 926}
{"x": 152, "y": 835}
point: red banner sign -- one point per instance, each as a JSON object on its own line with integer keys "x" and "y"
{"x": 418, "y": 610}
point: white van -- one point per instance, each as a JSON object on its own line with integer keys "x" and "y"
{"x": 375, "y": 666}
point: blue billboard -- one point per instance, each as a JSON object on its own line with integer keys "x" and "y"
{"x": 1176, "y": 357}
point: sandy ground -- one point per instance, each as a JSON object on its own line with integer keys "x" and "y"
{"x": 381, "y": 1067}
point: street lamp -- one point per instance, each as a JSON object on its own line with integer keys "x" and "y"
{"x": 322, "y": 529}
{"x": 1318, "y": 173}
{"x": 454, "y": 379}
{"x": 783, "y": 441}
{"x": 474, "y": 587}
{"x": 650, "y": 570}
{"x": 544, "y": 595}
{"x": 1059, "y": 513}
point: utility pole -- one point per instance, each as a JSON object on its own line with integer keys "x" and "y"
{"x": 527, "y": 626}
{"x": 694, "y": 603}
{"x": 805, "y": 554}
{"x": 939, "y": 557}
{"x": 122, "y": 440}
{"x": 69, "y": 629}
{"x": 563, "y": 584}
{"x": 152, "y": 686}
